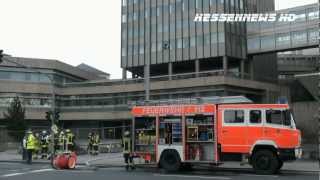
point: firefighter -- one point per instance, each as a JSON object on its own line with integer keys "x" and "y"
{"x": 56, "y": 141}
{"x": 30, "y": 145}
{"x": 70, "y": 140}
{"x": 62, "y": 141}
{"x": 89, "y": 143}
{"x": 37, "y": 150}
{"x": 127, "y": 144}
{"x": 95, "y": 143}
{"x": 44, "y": 142}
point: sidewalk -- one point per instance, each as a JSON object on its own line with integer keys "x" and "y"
{"x": 13, "y": 156}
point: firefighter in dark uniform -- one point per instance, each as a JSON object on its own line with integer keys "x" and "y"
{"x": 44, "y": 142}
{"x": 127, "y": 147}
{"x": 95, "y": 143}
{"x": 89, "y": 149}
{"x": 70, "y": 140}
{"x": 62, "y": 141}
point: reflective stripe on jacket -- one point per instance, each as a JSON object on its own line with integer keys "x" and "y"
{"x": 31, "y": 142}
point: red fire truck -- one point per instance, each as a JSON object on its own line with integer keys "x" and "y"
{"x": 182, "y": 135}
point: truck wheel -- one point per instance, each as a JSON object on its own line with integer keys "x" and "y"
{"x": 280, "y": 165}
{"x": 265, "y": 162}
{"x": 170, "y": 160}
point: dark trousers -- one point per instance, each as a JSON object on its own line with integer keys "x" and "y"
{"x": 24, "y": 154}
{"x": 29, "y": 155}
{"x": 128, "y": 159}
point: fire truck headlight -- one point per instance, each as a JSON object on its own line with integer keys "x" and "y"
{"x": 298, "y": 153}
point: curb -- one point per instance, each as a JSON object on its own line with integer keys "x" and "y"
{"x": 215, "y": 168}
{"x": 34, "y": 162}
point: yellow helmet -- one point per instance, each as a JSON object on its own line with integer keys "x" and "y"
{"x": 68, "y": 130}
{"x": 127, "y": 133}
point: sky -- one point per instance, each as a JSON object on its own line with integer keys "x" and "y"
{"x": 72, "y": 31}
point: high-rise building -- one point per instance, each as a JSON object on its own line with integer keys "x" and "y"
{"x": 164, "y": 35}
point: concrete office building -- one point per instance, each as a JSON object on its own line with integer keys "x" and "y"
{"x": 186, "y": 60}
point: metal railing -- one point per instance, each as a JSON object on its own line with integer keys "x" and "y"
{"x": 181, "y": 76}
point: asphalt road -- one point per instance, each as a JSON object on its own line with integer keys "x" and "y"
{"x": 16, "y": 171}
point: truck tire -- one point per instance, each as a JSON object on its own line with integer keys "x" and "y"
{"x": 265, "y": 162}
{"x": 279, "y": 165}
{"x": 170, "y": 160}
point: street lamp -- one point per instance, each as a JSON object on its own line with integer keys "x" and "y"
{"x": 53, "y": 99}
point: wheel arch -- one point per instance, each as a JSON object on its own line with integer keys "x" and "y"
{"x": 172, "y": 150}
{"x": 263, "y": 144}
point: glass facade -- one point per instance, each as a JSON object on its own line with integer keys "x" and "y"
{"x": 11, "y": 75}
{"x": 28, "y": 100}
{"x": 165, "y": 31}
{"x": 284, "y": 35}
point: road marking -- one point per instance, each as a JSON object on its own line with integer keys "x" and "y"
{"x": 187, "y": 176}
{"x": 12, "y": 174}
{"x": 29, "y": 172}
{"x": 257, "y": 175}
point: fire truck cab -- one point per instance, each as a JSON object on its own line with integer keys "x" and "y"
{"x": 182, "y": 135}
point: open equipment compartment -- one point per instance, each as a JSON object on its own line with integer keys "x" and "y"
{"x": 200, "y": 138}
{"x": 145, "y": 138}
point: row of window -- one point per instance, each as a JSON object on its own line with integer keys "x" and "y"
{"x": 178, "y": 6}
{"x": 159, "y": 28}
{"x": 179, "y": 43}
{"x": 277, "y": 117}
{"x": 33, "y": 77}
{"x": 283, "y": 39}
{"x": 29, "y": 102}
{"x": 256, "y": 27}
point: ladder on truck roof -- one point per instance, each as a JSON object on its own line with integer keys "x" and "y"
{"x": 200, "y": 100}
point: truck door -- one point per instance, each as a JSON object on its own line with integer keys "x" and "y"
{"x": 278, "y": 127}
{"x": 233, "y": 131}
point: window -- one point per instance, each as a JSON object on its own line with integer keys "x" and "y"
{"x": 267, "y": 42}
{"x": 146, "y": 13}
{"x": 200, "y": 40}
{"x": 214, "y": 38}
{"x": 135, "y": 16}
{"x": 207, "y": 39}
{"x": 299, "y": 37}
{"x": 179, "y": 43}
{"x": 278, "y": 117}
{"x": 124, "y": 51}
{"x": 192, "y": 42}
{"x": 221, "y": 37}
{"x": 124, "y": 18}
{"x": 124, "y": 3}
{"x": 199, "y": 5}
{"x": 141, "y": 49}
{"x": 153, "y": 47}
{"x": 233, "y": 116}
{"x": 254, "y": 44}
{"x": 283, "y": 40}
{"x": 313, "y": 35}
{"x": 313, "y": 14}
{"x": 255, "y": 117}
{"x": 171, "y": 8}
{"x": 185, "y": 42}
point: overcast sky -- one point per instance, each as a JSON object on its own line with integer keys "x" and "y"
{"x": 73, "y": 31}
